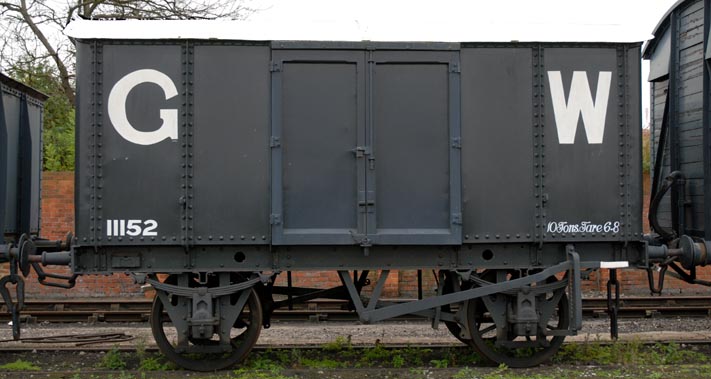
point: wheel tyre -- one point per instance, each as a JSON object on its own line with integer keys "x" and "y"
{"x": 241, "y": 345}
{"x": 515, "y": 358}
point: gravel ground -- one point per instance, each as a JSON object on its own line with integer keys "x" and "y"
{"x": 84, "y": 364}
{"x": 400, "y": 332}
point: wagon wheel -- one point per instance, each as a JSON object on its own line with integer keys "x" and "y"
{"x": 487, "y": 336}
{"x": 244, "y": 335}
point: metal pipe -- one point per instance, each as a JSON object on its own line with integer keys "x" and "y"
{"x": 671, "y": 179}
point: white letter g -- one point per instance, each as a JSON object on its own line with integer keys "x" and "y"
{"x": 117, "y": 108}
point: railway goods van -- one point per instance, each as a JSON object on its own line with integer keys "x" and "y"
{"x": 210, "y": 160}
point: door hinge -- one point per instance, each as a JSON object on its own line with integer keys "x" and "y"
{"x": 457, "y": 218}
{"x": 275, "y": 219}
{"x": 454, "y": 68}
{"x": 457, "y": 142}
{"x": 274, "y": 142}
{"x": 275, "y": 66}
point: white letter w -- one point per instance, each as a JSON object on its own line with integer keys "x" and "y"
{"x": 580, "y": 101}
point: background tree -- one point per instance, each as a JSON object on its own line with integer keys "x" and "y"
{"x": 34, "y": 50}
{"x": 58, "y": 136}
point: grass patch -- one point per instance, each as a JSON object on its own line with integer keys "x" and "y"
{"x": 339, "y": 344}
{"x": 627, "y": 353}
{"x": 113, "y": 360}
{"x": 19, "y": 365}
{"x": 157, "y": 363}
{"x": 321, "y": 363}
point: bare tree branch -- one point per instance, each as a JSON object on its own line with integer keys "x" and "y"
{"x": 30, "y": 30}
{"x": 63, "y": 72}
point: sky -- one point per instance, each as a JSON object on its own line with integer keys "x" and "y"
{"x": 484, "y": 20}
{"x": 643, "y": 13}
{"x": 637, "y": 16}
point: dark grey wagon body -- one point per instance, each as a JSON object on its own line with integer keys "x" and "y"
{"x": 351, "y": 147}
{"x": 21, "y": 113}
{"x": 679, "y": 82}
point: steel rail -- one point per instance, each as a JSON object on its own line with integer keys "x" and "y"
{"x": 137, "y": 310}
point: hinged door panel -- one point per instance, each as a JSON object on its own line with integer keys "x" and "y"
{"x": 414, "y": 131}
{"x": 318, "y": 147}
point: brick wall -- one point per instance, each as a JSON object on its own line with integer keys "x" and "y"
{"x": 58, "y": 219}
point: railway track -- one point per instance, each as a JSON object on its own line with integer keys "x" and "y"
{"x": 137, "y": 310}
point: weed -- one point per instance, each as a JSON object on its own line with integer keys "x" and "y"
{"x": 341, "y": 343}
{"x": 112, "y": 360}
{"x": 321, "y": 363}
{"x": 124, "y": 375}
{"x": 141, "y": 349}
{"x": 398, "y": 361}
{"x": 282, "y": 356}
{"x": 419, "y": 373}
{"x": 627, "y": 353}
{"x": 262, "y": 362}
{"x": 252, "y": 374}
{"x": 375, "y": 355}
{"x": 439, "y": 363}
{"x": 465, "y": 373}
{"x": 19, "y": 365}
{"x": 153, "y": 364}
{"x": 672, "y": 353}
{"x": 416, "y": 355}
{"x": 296, "y": 356}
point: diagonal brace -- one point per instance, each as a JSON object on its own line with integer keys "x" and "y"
{"x": 388, "y": 312}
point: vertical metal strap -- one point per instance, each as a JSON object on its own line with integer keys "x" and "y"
{"x": 187, "y": 145}
{"x": 24, "y": 170}
{"x": 623, "y": 155}
{"x": 277, "y": 190}
{"x": 706, "y": 117}
{"x": 538, "y": 141}
{"x": 96, "y": 217}
{"x": 371, "y": 211}
{"x": 673, "y": 114}
{"x": 3, "y": 168}
{"x": 455, "y": 150}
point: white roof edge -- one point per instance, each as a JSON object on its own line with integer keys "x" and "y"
{"x": 350, "y": 31}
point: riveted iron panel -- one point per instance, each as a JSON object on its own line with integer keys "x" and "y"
{"x": 12, "y": 121}
{"x": 231, "y": 144}
{"x": 134, "y": 172}
{"x": 317, "y": 137}
{"x": 415, "y": 137}
{"x": 33, "y": 143}
{"x": 21, "y": 131}
{"x": 591, "y": 144}
{"x": 84, "y": 134}
{"x": 497, "y": 144}
{"x": 343, "y": 149}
